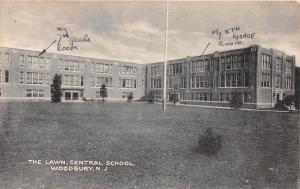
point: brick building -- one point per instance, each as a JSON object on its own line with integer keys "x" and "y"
{"x": 261, "y": 76}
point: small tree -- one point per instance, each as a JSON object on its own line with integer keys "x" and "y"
{"x": 174, "y": 98}
{"x": 130, "y": 97}
{"x": 209, "y": 142}
{"x": 236, "y": 100}
{"x": 56, "y": 89}
{"x": 103, "y": 92}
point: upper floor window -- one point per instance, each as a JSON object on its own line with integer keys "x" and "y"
{"x": 4, "y": 76}
{"x": 288, "y": 83}
{"x": 278, "y": 64}
{"x": 266, "y": 61}
{"x": 22, "y": 61}
{"x": 288, "y": 68}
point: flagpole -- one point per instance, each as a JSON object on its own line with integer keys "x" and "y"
{"x": 166, "y": 58}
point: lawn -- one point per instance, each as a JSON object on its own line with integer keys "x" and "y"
{"x": 260, "y": 149}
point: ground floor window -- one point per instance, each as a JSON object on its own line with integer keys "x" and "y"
{"x": 34, "y": 93}
{"x": 224, "y": 97}
{"x": 265, "y": 80}
{"x": 201, "y": 96}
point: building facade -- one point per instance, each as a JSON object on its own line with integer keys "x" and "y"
{"x": 297, "y": 87}
{"x": 261, "y": 76}
{"x": 27, "y": 76}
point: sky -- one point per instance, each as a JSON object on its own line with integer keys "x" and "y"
{"x": 135, "y": 31}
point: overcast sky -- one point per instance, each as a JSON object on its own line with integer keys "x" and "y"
{"x": 134, "y": 31}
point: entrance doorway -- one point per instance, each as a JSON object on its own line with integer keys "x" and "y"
{"x": 75, "y": 96}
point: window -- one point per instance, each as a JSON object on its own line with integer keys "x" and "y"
{"x": 222, "y": 97}
{"x": 29, "y": 62}
{"x": 35, "y": 78}
{"x": 6, "y": 76}
{"x": 288, "y": 69}
{"x": 34, "y": 93}
{"x": 228, "y": 63}
{"x": 21, "y": 61}
{"x": 41, "y": 78}
{"x": 29, "y": 78}
{"x": 278, "y": 64}
{"x": 222, "y": 80}
{"x": 21, "y": 77}
{"x": 240, "y": 61}
{"x": 222, "y": 67}
{"x": 277, "y": 81}
{"x": 61, "y": 64}
{"x": 288, "y": 83}
{"x": 6, "y": 59}
{"x": 206, "y": 65}
{"x": 67, "y": 65}
{"x": 265, "y": 80}
{"x": 266, "y": 61}
{"x": 228, "y": 80}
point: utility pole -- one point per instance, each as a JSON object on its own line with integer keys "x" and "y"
{"x": 166, "y": 58}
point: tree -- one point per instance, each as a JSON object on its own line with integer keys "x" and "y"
{"x": 56, "y": 89}
{"x": 236, "y": 100}
{"x": 103, "y": 92}
{"x": 174, "y": 98}
{"x": 130, "y": 97}
{"x": 287, "y": 103}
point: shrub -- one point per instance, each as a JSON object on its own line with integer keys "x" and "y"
{"x": 174, "y": 98}
{"x": 286, "y": 103}
{"x": 210, "y": 142}
{"x": 150, "y": 97}
{"x": 236, "y": 100}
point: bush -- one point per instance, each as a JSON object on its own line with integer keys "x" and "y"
{"x": 174, "y": 98}
{"x": 210, "y": 142}
{"x": 150, "y": 97}
{"x": 236, "y": 100}
{"x": 286, "y": 103}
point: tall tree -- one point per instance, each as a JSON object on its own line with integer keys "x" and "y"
{"x": 56, "y": 89}
{"x": 103, "y": 92}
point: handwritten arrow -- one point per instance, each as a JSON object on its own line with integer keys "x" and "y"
{"x": 205, "y": 49}
{"x": 44, "y": 50}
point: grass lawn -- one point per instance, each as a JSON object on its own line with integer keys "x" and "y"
{"x": 260, "y": 149}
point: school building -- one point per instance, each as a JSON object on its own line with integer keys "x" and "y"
{"x": 27, "y": 76}
{"x": 261, "y": 76}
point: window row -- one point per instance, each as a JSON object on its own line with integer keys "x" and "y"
{"x": 201, "y": 96}
{"x": 4, "y": 59}
{"x": 279, "y": 65}
{"x": 127, "y": 70}
{"x": 127, "y": 83}
{"x": 34, "y": 78}
{"x": 234, "y": 80}
{"x": 101, "y": 68}
{"x": 200, "y": 82}
{"x": 71, "y": 65}
{"x": 73, "y": 80}
{"x": 155, "y": 83}
{"x": 4, "y": 76}
{"x": 34, "y": 93}
{"x": 34, "y": 62}
{"x": 177, "y": 68}
{"x": 155, "y": 71}
{"x": 201, "y": 65}
{"x": 226, "y": 97}
{"x": 234, "y": 62}
{"x": 99, "y": 81}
